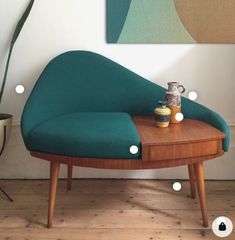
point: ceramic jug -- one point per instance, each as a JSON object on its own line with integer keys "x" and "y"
{"x": 162, "y": 115}
{"x": 173, "y": 99}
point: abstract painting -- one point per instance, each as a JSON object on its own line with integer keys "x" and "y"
{"x": 170, "y": 21}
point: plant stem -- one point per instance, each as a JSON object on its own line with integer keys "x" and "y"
{"x": 17, "y": 31}
{"x": 5, "y": 73}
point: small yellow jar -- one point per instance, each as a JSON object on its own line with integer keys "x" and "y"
{"x": 162, "y": 115}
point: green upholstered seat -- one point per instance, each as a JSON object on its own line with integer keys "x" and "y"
{"x": 81, "y": 81}
{"x": 96, "y": 135}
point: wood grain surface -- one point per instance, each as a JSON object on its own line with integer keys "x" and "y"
{"x": 112, "y": 209}
{"x": 187, "y": 131}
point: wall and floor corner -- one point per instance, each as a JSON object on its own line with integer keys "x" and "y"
{"x": 56, "y": 26}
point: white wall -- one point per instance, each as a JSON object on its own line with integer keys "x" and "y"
{"x": 56, "y": 26}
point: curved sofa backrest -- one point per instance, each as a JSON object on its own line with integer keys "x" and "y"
{"x": 81, "y": 81}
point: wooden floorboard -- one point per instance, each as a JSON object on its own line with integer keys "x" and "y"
{"x": 112, "y": 209}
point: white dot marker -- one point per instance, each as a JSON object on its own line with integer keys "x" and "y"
{"x": 177, "y": 186}
{"x": 192, "y": 95}
{"x": 19, "y": 89}
{"x": 179, "y": 117}
{"x": 134, "y": 149}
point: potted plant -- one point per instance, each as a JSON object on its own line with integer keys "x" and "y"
{"x": 6, "y": 119}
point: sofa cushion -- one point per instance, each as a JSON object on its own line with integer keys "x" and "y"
{"x": 87, "y": 134}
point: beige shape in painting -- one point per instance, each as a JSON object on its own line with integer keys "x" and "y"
{"x": 208, "y": 21}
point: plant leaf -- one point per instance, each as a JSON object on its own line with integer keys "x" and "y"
{"x": 18, "y": 28}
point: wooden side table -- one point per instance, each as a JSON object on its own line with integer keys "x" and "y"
{"x": 187, "y": 143}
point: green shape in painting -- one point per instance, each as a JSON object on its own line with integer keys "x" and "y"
{"x": 153, "y": 21}
{"x": 116, "y": 12}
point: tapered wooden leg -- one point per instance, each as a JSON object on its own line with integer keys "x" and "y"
{"x": 192, "y": 180}
{"x": 69, "y": 176}
{"x": 199, "y": 172}
{"x": 54, "y": 174}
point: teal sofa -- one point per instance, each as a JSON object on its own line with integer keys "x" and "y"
{"x": 80, "y": 113}
{"x": 82, "y": 103}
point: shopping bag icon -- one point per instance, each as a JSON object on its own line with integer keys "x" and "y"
{"x": 222, "y": 226}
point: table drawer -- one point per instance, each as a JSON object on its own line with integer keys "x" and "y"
{"x": 177, "y": 151}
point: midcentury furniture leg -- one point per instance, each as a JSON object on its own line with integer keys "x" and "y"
{"x": 199, "y": 172}
{"x": 192, "y": 180}
{"x": 54, "y": 174}
{"x": 69, "y": 176}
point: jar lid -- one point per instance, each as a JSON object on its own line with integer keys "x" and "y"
{"x": 162, "y": 104}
